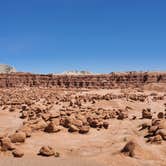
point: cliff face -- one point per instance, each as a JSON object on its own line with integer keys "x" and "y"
{"x": 113, "y": 80}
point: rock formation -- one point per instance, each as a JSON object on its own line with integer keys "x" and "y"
{"x": 107, "y": 81}
{"x": 6, "y": 69}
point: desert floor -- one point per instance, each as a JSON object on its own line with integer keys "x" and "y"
{"x": 99, "y": 146}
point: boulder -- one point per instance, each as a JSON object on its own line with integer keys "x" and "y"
{"x": 146, "y": 114}
{"x": 160, "y": 115}
{"x": 27, "y": 130}
{"x": 18, "y": 137}
{"x": 52, "y": 128}
{"x": 105, "y": 125}
{"x": 73, "y": 128}
{"x": 129, "y": 149}
{"x": 3, "y": 135}
{"x": 162, "y": 133}
{"x": 84, "y": 129}
{"x": 156, "y": 139}
{"x": 65, "y": 122}
{"x": 6, "y": 144}
{"x": 145, "y": 126}
{"x": 93, "y": 123}
{"x": 46, "y": 151}
{"x": 76, "y": 122}
{"x": 152, "y": 130}
{"x": 40, "y": 125}
{"x": 122, "y": 115}
{"x": 17, "y": 153}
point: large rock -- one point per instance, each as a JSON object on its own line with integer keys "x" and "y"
{"x": 46, "y": 151}
{"x": 129, "y": 149}
{"x": 162, "y": 133}
{"x": 73, "y": 128}
{"x": 146, "y": 114}
{"x": 18, "y": 153}
{"x": 39, "y": 125}
{"x": 6, "y": 144}
{"x": 52, "y": 128}
{"x": 18, "y": 137}
{"x": 84, "y": 129}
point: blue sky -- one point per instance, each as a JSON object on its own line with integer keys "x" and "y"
{"x": 45, "y": 36}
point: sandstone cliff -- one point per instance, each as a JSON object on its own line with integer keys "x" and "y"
{"x": 113, "y": 80}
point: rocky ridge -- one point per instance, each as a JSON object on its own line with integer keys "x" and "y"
{"x": 106, "y": 81}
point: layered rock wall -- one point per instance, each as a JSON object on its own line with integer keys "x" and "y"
{"x": 113, "y": 80}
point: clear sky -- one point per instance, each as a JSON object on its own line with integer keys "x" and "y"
{"x": 46, "y": 36}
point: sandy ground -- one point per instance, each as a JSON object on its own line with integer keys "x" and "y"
{"x": 50, "y": 162}
{"x": 98, "y": 147}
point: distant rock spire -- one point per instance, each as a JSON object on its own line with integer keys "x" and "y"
{"x": 76, "y": 72}
{"x": 6, "y": 68}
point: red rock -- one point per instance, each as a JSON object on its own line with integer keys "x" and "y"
{"x": 105, "y": 125}
{"x": 84, "y": 129}
{"x": 146, "y": 114}
{"x": 46, "y": 151}
{"x": 6, "y": 144}
{"x": 129, "y": 149}
{"x": 18, "y": 137}
{"x": 18, "y": 153}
